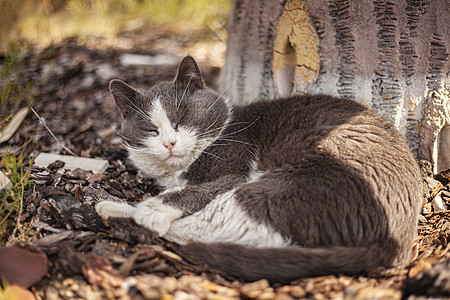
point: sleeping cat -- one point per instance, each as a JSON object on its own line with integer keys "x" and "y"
{"x": 295, "y": 187}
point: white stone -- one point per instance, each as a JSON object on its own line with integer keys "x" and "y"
{"x": 96, "y": 165}
{"x": 145, "y": 60}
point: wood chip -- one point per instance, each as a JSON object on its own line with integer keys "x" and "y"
{"x": 99, "y": 271}
{"x": 370, "y": 292}
{"x": 171, "y": 256}
{"x": 96, "y": 165}
{"x": 255, "y": 289}
{"x": 423, "y": 264}
{"x": 13, "y": 125}
{"x": 438, "y": 203}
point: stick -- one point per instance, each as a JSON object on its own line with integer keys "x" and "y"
{"x": 45, "y": 125}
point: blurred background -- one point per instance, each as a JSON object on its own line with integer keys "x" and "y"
{"x": 126, "y": 24}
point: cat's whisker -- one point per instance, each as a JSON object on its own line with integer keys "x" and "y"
{"x": 219, "y": 145}
{"x": 234, "y": 141}
{"x": 212, "y": 124}
{"x": 221, "y": 127}
{"x": 176, "y": 98}
{"x": 207, "y": 153}
{"x": 134, "y": 148}
{"x": 240, "y": 130}
{"x": 223, "y": 92}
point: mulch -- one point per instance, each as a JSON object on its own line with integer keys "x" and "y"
{"x": 89, "y": 258}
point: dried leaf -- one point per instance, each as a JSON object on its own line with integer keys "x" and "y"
{"x": 15, "y": 292}
{"x": 376, "y": 293}
{"x": 254, "y": 289}
{"x": 423, "y": 264}
{"x": 13, "y": 125}
{"x": 22, "y": 266}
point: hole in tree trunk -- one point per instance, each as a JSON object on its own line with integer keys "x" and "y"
{"x": 443, "y": 159}
{"x": 284, "y": 69}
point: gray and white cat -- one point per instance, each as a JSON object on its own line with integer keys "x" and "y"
{"x": 295, "y": 187}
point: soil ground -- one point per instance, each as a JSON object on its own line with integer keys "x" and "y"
{"x": 90, "y": 259}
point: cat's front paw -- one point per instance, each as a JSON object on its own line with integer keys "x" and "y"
{"x": 155, "y": 215}
{"x": 108, "y": 209}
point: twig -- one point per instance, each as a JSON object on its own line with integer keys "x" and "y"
{"x": 56, "y": 139}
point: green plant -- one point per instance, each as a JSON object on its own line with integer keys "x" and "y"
{"x": 12, "y": 199}
{"x": 10, "y": 90}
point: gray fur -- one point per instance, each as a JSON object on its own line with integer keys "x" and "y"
{"x": 328, "y": 174}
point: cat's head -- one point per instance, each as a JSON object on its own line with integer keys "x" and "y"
{"x": 167, "y": 127}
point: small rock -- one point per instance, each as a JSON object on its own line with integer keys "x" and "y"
{"x": 427, "y": 208}
{"x": 96, "y": 165}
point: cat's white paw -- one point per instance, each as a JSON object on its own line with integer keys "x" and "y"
{"x": 108, "y": 209}
{"x": 155, "y": 215}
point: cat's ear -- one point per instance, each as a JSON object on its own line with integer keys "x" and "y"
{"x": 126, "y": 97}
{"x": 188, "y": 74}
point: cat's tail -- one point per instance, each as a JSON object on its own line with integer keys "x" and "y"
{"x": 288, "y": 263}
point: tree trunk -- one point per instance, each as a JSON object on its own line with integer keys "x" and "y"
{"x": 389, "y": 55}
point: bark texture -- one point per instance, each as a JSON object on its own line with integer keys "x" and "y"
{"x": 391, "y": 55}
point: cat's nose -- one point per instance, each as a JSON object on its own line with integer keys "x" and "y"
{"x": 169, "y": 145}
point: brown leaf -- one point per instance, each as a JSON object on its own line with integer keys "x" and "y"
{"x": 22, "y": 266}
{"x": 99, "y": 271}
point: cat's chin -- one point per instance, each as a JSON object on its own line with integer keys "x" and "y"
{"x": 176, "y": 160}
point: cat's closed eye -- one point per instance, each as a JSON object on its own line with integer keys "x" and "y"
{"x": 153, "y": 132}
{"x": 148, "y": 128}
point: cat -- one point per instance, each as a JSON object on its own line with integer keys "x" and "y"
{"x": 296, "y": 187}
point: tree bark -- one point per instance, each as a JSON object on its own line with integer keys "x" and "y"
{"x": 392, "y": 56}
